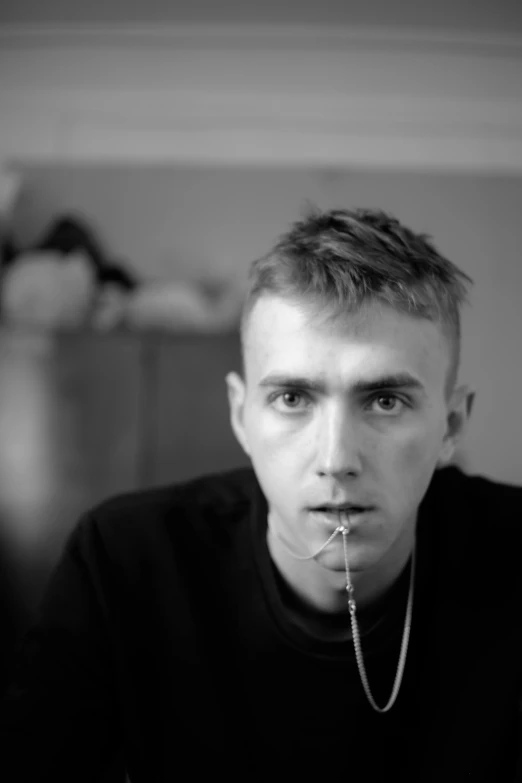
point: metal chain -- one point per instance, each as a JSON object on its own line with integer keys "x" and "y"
{"x": 357, "y": 639}
{"x": 309, "y": 557}
{"x": 352, "y": 608}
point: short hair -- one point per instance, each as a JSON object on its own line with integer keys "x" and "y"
{"x": 341, "y": 259}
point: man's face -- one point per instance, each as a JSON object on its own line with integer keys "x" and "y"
{"x": 350, "y": 409}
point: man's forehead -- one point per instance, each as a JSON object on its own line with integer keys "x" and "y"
{"x": 288, "y": 336}
{"x": 274, "y": 321}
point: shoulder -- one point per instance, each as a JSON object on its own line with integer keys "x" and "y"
{"x": 206, "y": 508}
{"x": 474, "y": 519}
{"x": 452, "y": 485}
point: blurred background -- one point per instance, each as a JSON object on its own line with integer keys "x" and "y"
{"x": 150, "y": 149}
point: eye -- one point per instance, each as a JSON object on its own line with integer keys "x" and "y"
{"x": 289, "y": 399}
{"x": 392, "y": 404}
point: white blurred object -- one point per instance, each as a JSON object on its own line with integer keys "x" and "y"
{"x": 180, "y": 305}
{"x": 49, "y": 291}
{"x": 110, "y": 309}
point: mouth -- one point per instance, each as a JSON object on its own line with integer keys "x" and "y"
{"x": 333, "y": 516}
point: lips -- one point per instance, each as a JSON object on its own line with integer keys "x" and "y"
{"x": 347, "y": 508}
{"x": 350, "y": 515}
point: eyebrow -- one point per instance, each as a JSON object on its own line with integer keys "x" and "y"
{"x": 402, "y": 380}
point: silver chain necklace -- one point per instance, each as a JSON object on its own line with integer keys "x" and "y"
{"x": 352, "y": 608}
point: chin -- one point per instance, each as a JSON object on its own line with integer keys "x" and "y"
{"x": 360, "y": 558}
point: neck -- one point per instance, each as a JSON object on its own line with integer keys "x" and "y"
{"x": 325, "y": 589}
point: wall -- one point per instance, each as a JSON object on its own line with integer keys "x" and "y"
{"x": 480, "y": 15}
{"x": 301, "y": 95}
{"x": 183, "y": 221}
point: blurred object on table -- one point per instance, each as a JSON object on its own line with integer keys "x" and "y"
{"x": 64, "y": 281}
{"x": 213, "y": 305}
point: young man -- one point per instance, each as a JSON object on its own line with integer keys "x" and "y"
{"x": 350, "y": 607}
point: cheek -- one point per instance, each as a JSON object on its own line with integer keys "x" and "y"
{"x": 415, "y": 451}
{"x": 417, "y": 443}
{"x": 267, "y": 436}
{"x": 409, "y": 461}
{"x": 276, "y": 459}
{"x": 266, "y": 444}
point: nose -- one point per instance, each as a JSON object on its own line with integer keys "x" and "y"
{"x": 339, "y": 446}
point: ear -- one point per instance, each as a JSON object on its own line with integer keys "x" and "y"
{"x": 459, "y": 412}
{"x": 236, "y": 391}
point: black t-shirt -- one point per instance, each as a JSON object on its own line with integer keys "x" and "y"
{"x": 167, "y": 645}
{"x": 307, "y": 685}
